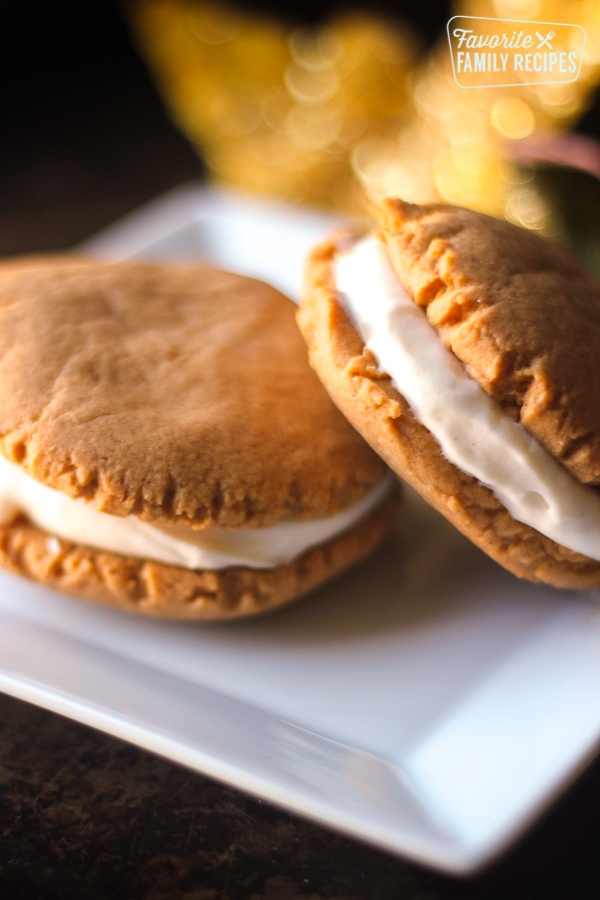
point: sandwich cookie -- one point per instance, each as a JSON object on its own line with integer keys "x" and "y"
{"x": 466, "y": 351}
{"x": 165, "y": 447}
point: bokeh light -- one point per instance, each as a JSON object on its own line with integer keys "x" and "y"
{"x": 353, "y": 110}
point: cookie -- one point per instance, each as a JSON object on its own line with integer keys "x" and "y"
{"x": 165, "y": 447}
{"x": 465, "y": 350}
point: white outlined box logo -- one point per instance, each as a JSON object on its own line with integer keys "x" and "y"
{"x": 509, "y": 52}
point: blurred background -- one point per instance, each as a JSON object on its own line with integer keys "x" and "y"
{"x": 105, "y": 105}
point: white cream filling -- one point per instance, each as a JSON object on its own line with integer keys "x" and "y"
{"x": 470, "y": 427}
{"x": 81, "y": 522}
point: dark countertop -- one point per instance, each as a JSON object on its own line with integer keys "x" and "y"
{"x": 84, "y": 816}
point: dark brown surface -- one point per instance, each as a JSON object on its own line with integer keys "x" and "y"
{"x": 84, "y": 817}
{"x": 87, "y": 817}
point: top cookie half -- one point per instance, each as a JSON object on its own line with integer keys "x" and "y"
{"x": 515, "y": 315}
{"x": 175, "y": 394}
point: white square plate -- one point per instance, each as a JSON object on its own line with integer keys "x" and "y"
{"x": 427, "y": 702}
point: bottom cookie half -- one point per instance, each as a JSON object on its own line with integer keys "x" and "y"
{"x": 155, "y": 589}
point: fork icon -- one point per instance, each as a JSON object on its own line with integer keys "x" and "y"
{"x": 545, "y": 40}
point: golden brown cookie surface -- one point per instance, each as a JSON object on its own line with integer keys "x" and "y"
{"x": 522, "y": 317}
{"x": 156, "y": 589}
{"x": 434, "y": 242}
{"x": 177, "y": 393}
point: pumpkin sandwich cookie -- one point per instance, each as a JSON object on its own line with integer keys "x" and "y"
{"x": 466, "y": 351}
{"x": 165, "y": 447}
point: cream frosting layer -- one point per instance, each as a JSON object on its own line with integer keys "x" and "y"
{"x": 469, "y": 425}
{"x": 81, "y": 522}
